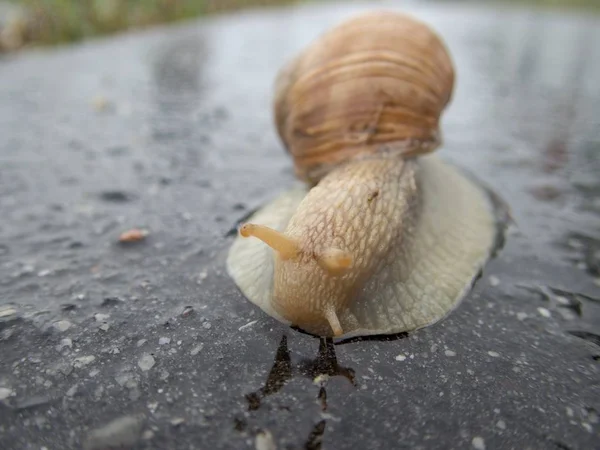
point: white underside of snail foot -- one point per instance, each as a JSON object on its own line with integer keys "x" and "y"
{"x": 422, "y": 281}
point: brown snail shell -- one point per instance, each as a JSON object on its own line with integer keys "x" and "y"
{"x": 377, "y": 82}
{"x": 384, "y": 237}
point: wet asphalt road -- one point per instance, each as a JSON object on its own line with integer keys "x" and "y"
{"x": 170, "y": 130}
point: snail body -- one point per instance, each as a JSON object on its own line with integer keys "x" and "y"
{"x": 383, "y": 237}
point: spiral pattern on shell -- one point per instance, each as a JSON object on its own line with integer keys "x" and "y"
{"x": 377, "y": 83}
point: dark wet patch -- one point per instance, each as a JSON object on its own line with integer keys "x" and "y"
{"x": 574, "y": 296}
{"x": 322, "y": 398}
{"x": 112, "y": 301}
{"x": 560, "y": 445}
{"x": 117, "y": 196}
{"x": 68, "y": 306}
{"x": 315, "y": 438}
{"x": 378, "y": 338}
{"x": 545, "y": 192}
{"x": 326, "y": 363}
{"x": 586, "y": 249}
{"x": 586, "y": 335}
{"x": 283, "y": 370}
{"x": 561, "y": 297}
{"x": 75, "y": 244}
{"x": 118, "y": 150}
{"x": 240, "y": 424}
{"x": 504, "y": 220}
{"x": 280, "y": 374}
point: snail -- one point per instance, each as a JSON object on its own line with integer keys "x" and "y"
{"x": 383, "y": 236}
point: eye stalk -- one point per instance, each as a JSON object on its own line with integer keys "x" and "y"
{"x": 282, "y": 244}
{"x": 334, "y": 261}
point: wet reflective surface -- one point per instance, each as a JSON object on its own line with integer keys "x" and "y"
{"x": 150, "y": 344}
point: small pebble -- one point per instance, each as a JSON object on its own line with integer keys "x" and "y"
{"x": 450, "y": 353}
{"x": 72, "y": 391}
{"x": 104, "y": 327}
{"x": 123, "y": 432}
{"x": 141, "y": 342}
{"x": 65, "y": 369}
{"x": 187, "y": 311}
{"x": 84, "y": 361}
{"x": 400, "y": 358}
{"x": 177, "y": 421}
{"x": 133, "y": 235}
{"x": 248, "y": 325}
{"x": 494, "y": 281}
{"x": 98, "y": 392}
{"x": 544, "y": 312}
{"x": 66, "y": 343}
{"x": 201, "y": 277}
{"x": 123, "y": 378}
{"x": 32, "y": 402}
{"x": 196, "y": 350}
{"x": 146, "y": 362}
{"x": 100, "y": 103}
{"x": 321, "y": 379}
{"x": 264, "y": 441}
{"x": 478, "y": 443}
{"x": 62, "y": 325}
{"x": 147, "y": 435}
{"x": 7, "y": 312}
{"x": 493, "y": 354}
{"x": 5, "y": 393}
{"x": 521, "y": 316}
{"x": 164, "y": 341}
{"x": 501, "y": 424}
{"x": 101, "y": 317}
{"x": 134, "y": 394}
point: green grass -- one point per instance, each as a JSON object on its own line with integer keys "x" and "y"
{"x": 57, "y": 21}
{"x": 591, "y": 5}
{"x": 556, "y": 5}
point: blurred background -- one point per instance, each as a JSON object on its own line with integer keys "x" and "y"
{"x": 26, "y": 23}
